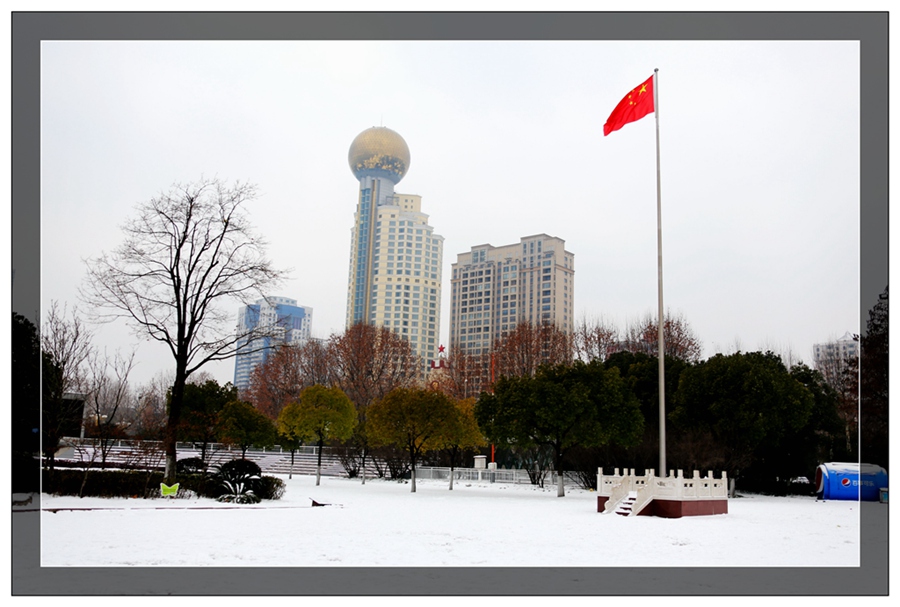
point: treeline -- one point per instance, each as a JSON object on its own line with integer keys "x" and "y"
{"x": 746, "y": 413}
{"x": 549, "y": 405}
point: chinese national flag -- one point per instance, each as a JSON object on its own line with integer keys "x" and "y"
{"x": 636, "y": 104}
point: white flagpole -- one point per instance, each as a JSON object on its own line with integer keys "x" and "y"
{"x": 660, "y": 320}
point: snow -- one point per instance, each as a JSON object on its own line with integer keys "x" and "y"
{"x": 477, "y": 524}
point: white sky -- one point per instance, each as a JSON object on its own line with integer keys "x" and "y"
{"x": 759, "y": 159}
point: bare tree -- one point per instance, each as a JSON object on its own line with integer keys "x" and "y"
{"x": 785, "y": 352}
{"x": 368, "y": 362}
{"x": 595, "y": 339}
{"x": 315, "y": 361}
{"x": 66, "y": 347}
{"x": 680, "y": 340}
{"x": 146, "y": 419}
{"x": 279, "y": 381}
{"x": 529, "y": 346}
{"x": 108, "y": 398}
{"x": 463, "y": 375}
{"x": 187, "y": 251}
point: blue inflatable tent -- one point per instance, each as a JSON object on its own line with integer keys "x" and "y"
{"x": 850, "y": 481}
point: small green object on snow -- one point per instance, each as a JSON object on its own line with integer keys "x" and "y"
{"x": 168, "y": 491}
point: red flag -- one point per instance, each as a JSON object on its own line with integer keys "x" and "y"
{"x": 636, "y": 104}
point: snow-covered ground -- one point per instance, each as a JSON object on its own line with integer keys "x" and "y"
{"x": 477, "y": 524}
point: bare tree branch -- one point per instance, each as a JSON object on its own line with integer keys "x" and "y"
{"x": 66, "y": 348}
{"x": 187, "y": 252}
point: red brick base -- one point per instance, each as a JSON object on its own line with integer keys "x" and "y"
{"x": 676, "y": 508}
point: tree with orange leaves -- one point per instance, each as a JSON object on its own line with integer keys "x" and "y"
{"x": 369, "y": 362}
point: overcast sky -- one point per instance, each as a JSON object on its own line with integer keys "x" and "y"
{"x": 759, "y": 165}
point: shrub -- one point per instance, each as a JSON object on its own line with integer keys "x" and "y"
{"x": 102, "y": 483}
{"x": 127, "y": 483}
{"x": 239, "y": 494}
{"x": 190, "y": 465}
{"x": 271, "y": 488}
{"x": 241, "y": 466}
{"x": 204, "y": 485}
{"x": 238, "y": 487}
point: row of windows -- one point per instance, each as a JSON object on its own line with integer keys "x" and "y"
{"x": 399, "y": 300}
{"x": 414, "y": 288}
{"x": 389, "y": 271}
{"x": 402, "y": 223}
{"x": 406, "y": 310}
{"x": 409, "y": 257}
{"x": 473, "y": 273}
{"x": 418, "y": 239}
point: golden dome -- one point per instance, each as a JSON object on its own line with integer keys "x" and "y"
{"x": 379, "y": 152}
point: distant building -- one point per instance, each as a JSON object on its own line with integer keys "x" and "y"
{"x": 842, "y": 349}
{"x": 395, "y": 256}
{"x": 280, "y": 321}
{"x": 495, "y": 288}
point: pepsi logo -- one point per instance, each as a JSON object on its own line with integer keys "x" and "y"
{"x": 845, "y": 482}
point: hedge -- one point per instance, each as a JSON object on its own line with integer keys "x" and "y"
{"x": 129, "y": 483}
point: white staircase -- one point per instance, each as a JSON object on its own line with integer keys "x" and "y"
{"x": 628, "y": 494}
{"x": 626, "y": 504}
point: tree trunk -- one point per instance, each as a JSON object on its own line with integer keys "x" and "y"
{"x": 319, "y": 463}
{"x": 453, "y": 452}
{"x": 364, "y": 454}
{"x": 83, "y": 482}
{"x": 291, "y": 471}
{"x": 560, "y": 489}
{"x": 174, "y": 421}
{"x": 413, "y": 457}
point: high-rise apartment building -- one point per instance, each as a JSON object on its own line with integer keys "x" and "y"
{"x": 495, "y": 288}
{"x": 842, "y": 349}
{"x": 395, "y": 256}
{"x": 270, "y": 322}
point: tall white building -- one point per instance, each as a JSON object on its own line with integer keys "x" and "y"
{"x": 395, "y": 256}
{"x": 495, "y": 288}
{"x": 844, "y": 348}
{"x": 278, "y": 321}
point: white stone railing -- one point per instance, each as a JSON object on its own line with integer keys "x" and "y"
{"x": 618, "y": 486}
{"x": 649, "y": 487}
{"x": 645, "y": 494}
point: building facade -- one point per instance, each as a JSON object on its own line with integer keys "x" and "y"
{"x": 495, "y": 288}
{"x": 395, "y": 256}
{"x": 268, "y": 323}
{"x": 842, "y": 349}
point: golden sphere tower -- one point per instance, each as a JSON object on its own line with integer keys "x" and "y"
{"x": 379, "y": 152}
{"x": 395, "y": 256}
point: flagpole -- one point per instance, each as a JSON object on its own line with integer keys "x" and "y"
{"x": 660, "y": 321}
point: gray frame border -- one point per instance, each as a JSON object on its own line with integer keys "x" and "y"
{"x": 29, "y": 28}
